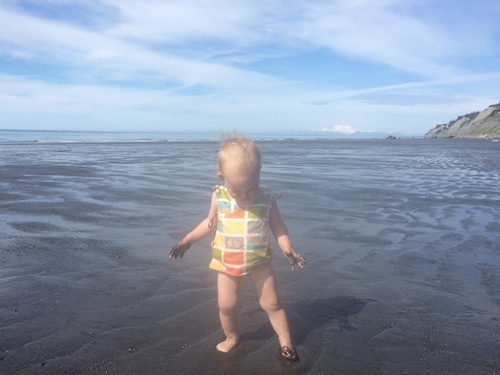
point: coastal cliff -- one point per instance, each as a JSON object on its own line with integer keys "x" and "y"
{"x": 485, "y": 124}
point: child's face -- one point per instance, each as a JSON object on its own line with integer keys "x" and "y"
{"x": 242, "y": 183}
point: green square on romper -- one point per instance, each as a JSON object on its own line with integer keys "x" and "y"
{"x": 216, "y": 253}
{"x": 256, "y": 256}
{"x": 257, "y": 212}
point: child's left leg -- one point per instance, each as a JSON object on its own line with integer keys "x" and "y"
{"x": 265, "y": 283}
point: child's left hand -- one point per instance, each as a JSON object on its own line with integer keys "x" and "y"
{"x": 295, "y": 259}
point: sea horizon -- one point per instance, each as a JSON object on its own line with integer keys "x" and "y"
{"x": 106, "y": 136}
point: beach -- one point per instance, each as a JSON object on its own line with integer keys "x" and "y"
{"x": 402, "y": 240}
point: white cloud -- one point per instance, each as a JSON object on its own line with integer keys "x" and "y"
{"x": 77, "y": 49}
{"x": 177, "y": 22}
{"x": 341, "y": 128}
{"x": 383, "y": 32}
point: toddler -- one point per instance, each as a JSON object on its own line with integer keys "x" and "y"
{"x": 241, "y": 216}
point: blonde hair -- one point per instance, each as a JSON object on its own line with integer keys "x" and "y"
{"x": 239, "y": 149}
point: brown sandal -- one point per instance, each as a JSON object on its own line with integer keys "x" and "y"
{"x": 289, "y": 354}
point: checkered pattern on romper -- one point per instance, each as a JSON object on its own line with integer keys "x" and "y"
{"x": 241, "y": 240}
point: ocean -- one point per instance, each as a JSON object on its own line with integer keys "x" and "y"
{"x": 40, "y": 136}
{"x": 56, "y": 136}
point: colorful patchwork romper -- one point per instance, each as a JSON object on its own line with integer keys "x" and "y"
{"x": 241, "y": 241}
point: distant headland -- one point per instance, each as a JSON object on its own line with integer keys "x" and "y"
{"x": 484, "y": 124}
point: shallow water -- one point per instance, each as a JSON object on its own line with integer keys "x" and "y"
{"x": 401, "y": 237}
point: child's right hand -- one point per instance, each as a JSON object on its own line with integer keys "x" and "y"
{"x": 179, "y": 250}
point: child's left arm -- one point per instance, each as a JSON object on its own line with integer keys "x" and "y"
{"x": 280, "y": 232}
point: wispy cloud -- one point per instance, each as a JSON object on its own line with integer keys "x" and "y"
{"x": 206, "y": 63}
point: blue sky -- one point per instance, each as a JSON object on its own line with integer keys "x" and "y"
{"x": 251, "y": 66}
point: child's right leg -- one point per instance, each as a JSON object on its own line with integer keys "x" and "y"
{"x": 228, "y": 288}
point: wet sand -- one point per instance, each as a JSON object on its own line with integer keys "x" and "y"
{"x": 402, "y": 240}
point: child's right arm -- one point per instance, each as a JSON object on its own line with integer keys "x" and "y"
{"x": 202, "y": 230}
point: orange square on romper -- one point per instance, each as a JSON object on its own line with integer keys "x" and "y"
{"x": 235, "y": 258}
{"x": 238, "y": 214}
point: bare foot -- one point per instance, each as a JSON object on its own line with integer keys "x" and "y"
{"x": 226, "y": 345}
